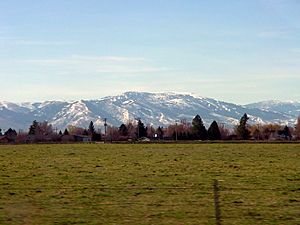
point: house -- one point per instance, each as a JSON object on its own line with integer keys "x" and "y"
{"x": 5, "y": 140}
{"x": 82, "y": 138}
{"x": 67, "y": 138}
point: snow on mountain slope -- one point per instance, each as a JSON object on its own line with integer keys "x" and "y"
{"x": 72, "y": 114}
{"x": 288, "y": 107}
{"x": 13, "y": 107}
{"x": 158, "y": 109}
{"x": 16, "y": 119}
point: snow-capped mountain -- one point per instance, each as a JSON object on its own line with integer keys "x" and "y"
{"x": 158, "y": 109}
{"x": 288, "y": 107}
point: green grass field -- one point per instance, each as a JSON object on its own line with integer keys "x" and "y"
{"x": 149, "y": 184}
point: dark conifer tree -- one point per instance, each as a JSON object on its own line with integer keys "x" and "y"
{"x": 85, "y": 132}
{"x": 91, "y": 130}
{"x": 66, "y": 132}
{"x": 60, "y": 133}
{"x": 160, "y": 132}
{"x": 123, "y": 130}
{"x": 174, "y": 135}
{"x": 1, "y": 132}
{"x": 96, "y": 136}
{"x": 213, "y": 131}
{"x": 286, "y": 133}
{"x": 242, "y": 130}
{"x": 33, "y": 128}
{"x": 141, "y": 130}
{"x": 198, "y": 128}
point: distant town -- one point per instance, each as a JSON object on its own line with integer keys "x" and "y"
{"x": 137, "y": 131}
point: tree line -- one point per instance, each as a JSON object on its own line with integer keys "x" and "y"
{"x": 137, "y": 131}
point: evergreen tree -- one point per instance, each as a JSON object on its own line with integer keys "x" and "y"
{"x": 141, "y": 130}
{"x": 60, "y": 133}
{"x": 174, "y": 136}
{"x": 96, "y": 136}
{"x": 242, "y": 130}
{"x": 286, "y": 133}
{"x": 160, "y": 132}
{"x": 91, "y": 130}
{"x": 1, "y": 132}
{"x": 123, "y": 130}
{"x": 85, "y": 132}
{"x": 198, "y": 128}
{"x": 213, "y": 131}
{"x": 33, "y": 128}
{"x": 66, "y": 132}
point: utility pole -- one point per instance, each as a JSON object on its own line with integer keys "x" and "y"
{"x": 105, "y": 129}
{"x": 176, "y": 130}
{"x": 105, "y": 126}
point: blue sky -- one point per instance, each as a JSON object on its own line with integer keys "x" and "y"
{"x": 238, "y": 51}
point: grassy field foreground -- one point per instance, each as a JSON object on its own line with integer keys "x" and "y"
{"x": 149, "y": 184}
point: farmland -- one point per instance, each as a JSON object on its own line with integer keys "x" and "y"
{"x": 149, "y": 184}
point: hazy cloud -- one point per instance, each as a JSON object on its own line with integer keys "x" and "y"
{"x": 295, "y": 50}
{"x": 272, "y": 34}
{"x": 81, "y": 59}
{"x": 109, "y": 58}
{"x": 9, "y": 40}
{"x": 42, "y": 43}
{"x": 82, "y": 64}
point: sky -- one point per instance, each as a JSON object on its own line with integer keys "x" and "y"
{"x": 236, "y": 51}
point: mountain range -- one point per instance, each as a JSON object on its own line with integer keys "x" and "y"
{"x": 158, "y": 109}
